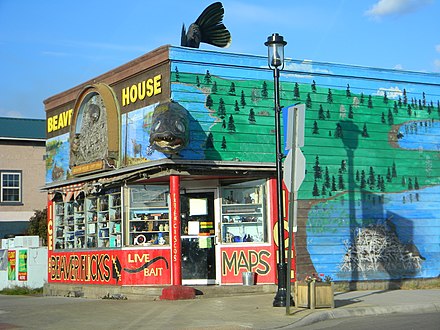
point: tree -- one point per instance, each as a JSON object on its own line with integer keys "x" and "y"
{"x": 382, "y": 184}
{"x": 371, "y": 178}
{"x": 410, "y": 184}
{"x": 338, "y": 132}
{"x": 177, "y": 75}
{"x": 341, "y": 185}
{"x": 409, "y": 110}
{"x": 430, "y": 107}
{"x": 350, "y": 112}
{"x": 382, "y": 118}
{"x": 38, "y": 225}
{"x": 333, "y": 183}
{"x": 223, "y": 143}
{"x": 389, "y": 178}
{"x": 362, "y": 99}
{"x": 323, "y": 190}
{"x": 197, "y": 81}
{"x": 208, "y": 78}
{"x": 214, "y": 87}
{"x": 232, "y": 89}
{"x": 394, "y": 170}
{"x": 363, "y": 183}
{"x": 315, "y": 191}
{"x": 252, "y": 116}
{"x": 347, "y": 91}
{"x": 236, "y": 107}
{"x": 390, "y": 117}
{"x": 364, "y": 131}
{"x": 327, "y": 178}
{"x": 405, "y": 98}
{"x": 231, "y": 124}
{"x": 296, "y": 91}
{"x": 343, "y": 165}
{"x": 209, "y": 102}
{"x": 321, "y": 114}
{"x": 315, "y": 128}
{"x": 308, "y": 101}
{"x": 242, "y": 100}
{"x": 385, "y": 97}
{"x": 209, "y": 144}
{"x": 416, "y": 184}
{"x": 329, "y": 96}
{"x": 395, "y": 108}
{"x": 317, "y": 169}
{"x": 221, "y": 111}
{"x": 264, "y": 92}
{"x": 313, "y": 86}
{"x": 370, "y": 102}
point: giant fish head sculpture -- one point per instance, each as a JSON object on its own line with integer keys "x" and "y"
{"x": 169, "y": 131}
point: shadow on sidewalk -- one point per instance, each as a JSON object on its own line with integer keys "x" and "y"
{"x": 357, "y": 298}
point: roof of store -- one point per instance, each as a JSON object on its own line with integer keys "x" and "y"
{"x": 22, "y": 128}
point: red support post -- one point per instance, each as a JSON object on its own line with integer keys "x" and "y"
{"x": 175, "y": 239}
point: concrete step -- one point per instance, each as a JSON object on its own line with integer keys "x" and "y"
{"x": 150, "y": 292}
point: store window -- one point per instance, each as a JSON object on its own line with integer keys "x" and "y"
{"x": 11, "y": 187}
{"x": 148, "y": 216}
{"x": 87, "y": 222}
{"x": 244, "y": 217}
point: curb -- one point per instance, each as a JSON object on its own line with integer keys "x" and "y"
{"x": 364, "y": 311}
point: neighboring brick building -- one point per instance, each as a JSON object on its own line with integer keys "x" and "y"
{"x": 22, "y": 172}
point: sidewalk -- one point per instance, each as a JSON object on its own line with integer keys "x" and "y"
{"x": 256, "y": 312}
{"x": 240, "y": 311}
{"x": 362, "y": 303}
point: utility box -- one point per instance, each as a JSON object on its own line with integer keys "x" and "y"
{"x": 5, "y": 243}
{"x": 26, "y": 241}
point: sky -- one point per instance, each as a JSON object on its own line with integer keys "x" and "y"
{"x": 49, "y": 46}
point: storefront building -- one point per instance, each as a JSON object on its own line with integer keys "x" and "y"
{"x": 162, "y": 172}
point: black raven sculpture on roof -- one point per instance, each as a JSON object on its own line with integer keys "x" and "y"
{"x": 208, "y": 28}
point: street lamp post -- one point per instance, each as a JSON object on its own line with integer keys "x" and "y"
{"x": 275, "y": 46}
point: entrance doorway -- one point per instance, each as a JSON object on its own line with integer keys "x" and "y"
{"x": 198, "y": 238}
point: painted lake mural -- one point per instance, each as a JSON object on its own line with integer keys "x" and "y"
{"x": 369, "y": 205}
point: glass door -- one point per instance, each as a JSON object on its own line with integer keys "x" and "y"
{"x": 198, "y": 238}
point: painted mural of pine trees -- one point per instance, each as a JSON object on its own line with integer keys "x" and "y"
{"x": 244, "y": 108}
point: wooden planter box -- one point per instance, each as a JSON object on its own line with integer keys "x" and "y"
{"x": 314, "y": 295}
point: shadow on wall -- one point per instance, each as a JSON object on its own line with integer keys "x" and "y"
{"x": 374, "y": 248}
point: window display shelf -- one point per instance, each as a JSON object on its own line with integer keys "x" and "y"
{"x": 148, "y": 223}
{"x": 149, "y": 226}
{"x": 89, "y": 222}
{"x": 243, "y": 212}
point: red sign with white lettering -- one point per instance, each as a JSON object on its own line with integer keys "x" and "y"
{"x": 114, "y": 267}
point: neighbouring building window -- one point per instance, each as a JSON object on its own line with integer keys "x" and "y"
{"x": 10, "y": 187}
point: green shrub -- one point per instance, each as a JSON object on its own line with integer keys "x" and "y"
{"x": 21, "y": 290}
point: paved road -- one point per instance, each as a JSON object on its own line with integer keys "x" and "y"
{"x": 79, "y": 313}
{"x": 407, "y": 321}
